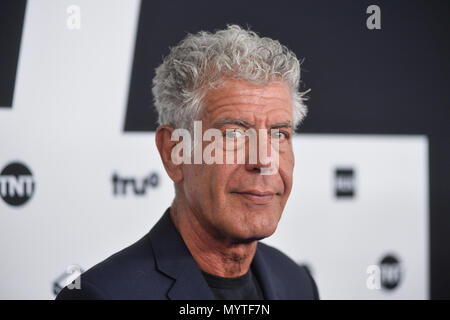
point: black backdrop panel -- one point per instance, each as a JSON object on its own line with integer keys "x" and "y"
{"x": 11, "y": 22}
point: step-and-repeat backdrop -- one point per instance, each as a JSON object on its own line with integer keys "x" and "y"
{"x": 80, "y": 176}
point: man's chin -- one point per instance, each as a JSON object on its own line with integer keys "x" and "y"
{"x": 248, "y": 240}
{"x": 254, "y": 236}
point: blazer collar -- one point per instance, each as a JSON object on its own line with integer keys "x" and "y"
{"x": 261, "y": 267}
{"x": 173, "y": 258}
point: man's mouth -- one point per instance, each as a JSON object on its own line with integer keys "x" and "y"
{"x": 257, "y": 196}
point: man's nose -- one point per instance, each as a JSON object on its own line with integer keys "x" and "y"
{"x": 259, "y": 154}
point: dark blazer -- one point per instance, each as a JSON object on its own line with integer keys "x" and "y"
{"x": 159, "y": 266}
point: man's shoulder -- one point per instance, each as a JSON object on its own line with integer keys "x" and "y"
{"x": 291, "y": 278}
{"x": 123, "y": 275}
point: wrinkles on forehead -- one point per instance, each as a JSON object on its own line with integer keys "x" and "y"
{"x": 254, "y": 106}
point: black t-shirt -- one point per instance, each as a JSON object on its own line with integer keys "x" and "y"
{"x": 245, "y": 287}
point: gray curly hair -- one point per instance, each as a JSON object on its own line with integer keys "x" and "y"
{"x": 204, "y": 60}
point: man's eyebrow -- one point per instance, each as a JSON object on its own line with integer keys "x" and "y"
{"x": 238, "y": 122}
{"x": 243, "y": 123}
{"x": 287, "y": 124}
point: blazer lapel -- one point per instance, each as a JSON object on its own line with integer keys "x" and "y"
{"x": 174, "y": 260}
{"x": 190, "y": 285}
{"x": 262, "y": 270}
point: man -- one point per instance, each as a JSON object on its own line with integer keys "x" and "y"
{"x": 206, "y": 246}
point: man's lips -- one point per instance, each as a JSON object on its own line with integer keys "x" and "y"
{"x": 257, "y": 197}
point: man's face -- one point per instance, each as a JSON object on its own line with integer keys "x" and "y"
{"x": 235, "y": 201}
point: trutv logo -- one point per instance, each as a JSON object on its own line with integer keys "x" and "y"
{"x": 123, "y": 186}
{"x": 16, "y": 184}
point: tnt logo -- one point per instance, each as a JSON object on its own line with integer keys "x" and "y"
{"x": 16, "y": 184}
{"x": 344, "y": 182}
{"x": 386, "y": 275}
{"x": 390, "y": 272}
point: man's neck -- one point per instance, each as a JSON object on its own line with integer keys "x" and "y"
{"x": 220, "y": 257}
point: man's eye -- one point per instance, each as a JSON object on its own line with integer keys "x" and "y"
{"x": 234, "y": 133}
{"x": 279, "y": 135}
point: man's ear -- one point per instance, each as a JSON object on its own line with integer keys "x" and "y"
{"x": 165, "y": 146}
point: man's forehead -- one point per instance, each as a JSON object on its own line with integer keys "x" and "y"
{"x": 236, "y": 92}
{"x": 250, "y": 103}
{"x": 250, "y": 116}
